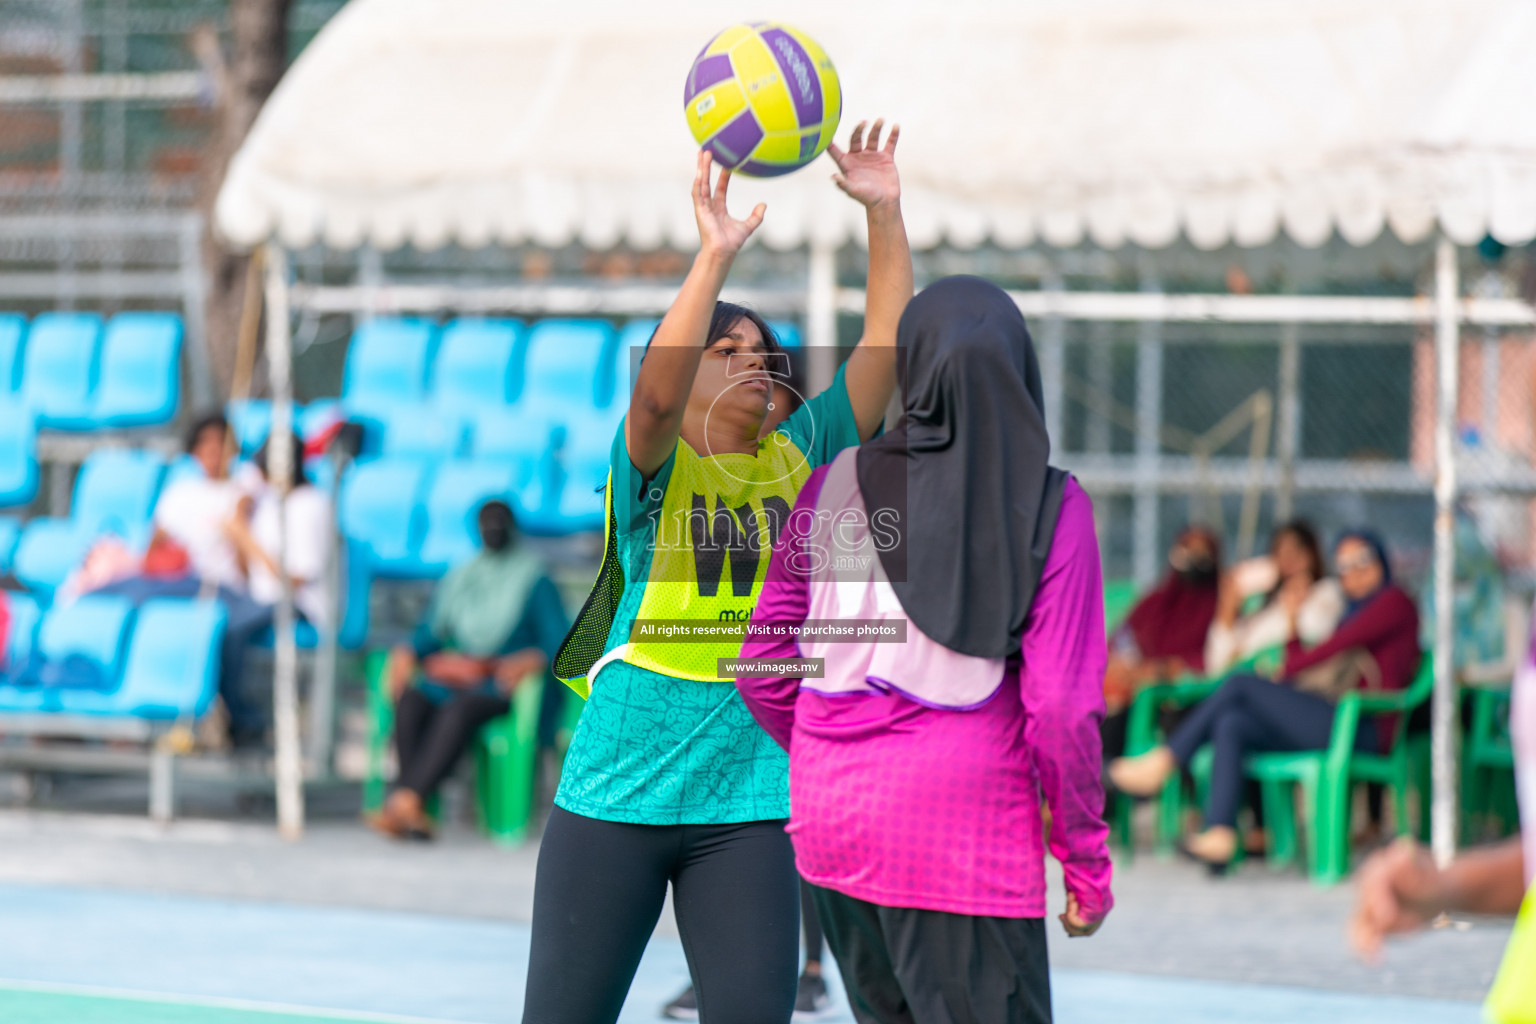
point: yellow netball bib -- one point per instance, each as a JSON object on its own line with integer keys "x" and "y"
{"x": 715, "y": 532}
{"x": 1512, "y": 1000}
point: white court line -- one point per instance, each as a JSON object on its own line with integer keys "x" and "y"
{"x": 218, "y": 1002}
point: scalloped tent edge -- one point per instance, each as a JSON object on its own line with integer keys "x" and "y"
{"x": 477, "y": 122}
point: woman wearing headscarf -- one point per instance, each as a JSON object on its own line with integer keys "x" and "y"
{"x": 1164, "y": 635}
{"x": 917, "y": 766}
{"x": 1375, "y": 646}
{"x": 495, "y": 623}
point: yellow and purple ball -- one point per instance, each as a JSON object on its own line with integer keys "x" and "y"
{"x": 763, "y": 98}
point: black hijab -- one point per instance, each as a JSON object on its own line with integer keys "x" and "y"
{"x": 966, "y": 470}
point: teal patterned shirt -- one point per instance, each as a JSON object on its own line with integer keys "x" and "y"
{"x": 654, "y": 749}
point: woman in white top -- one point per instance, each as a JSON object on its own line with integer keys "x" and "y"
{"x": 1299, "y": 600}
{"x": 310, "y": 537}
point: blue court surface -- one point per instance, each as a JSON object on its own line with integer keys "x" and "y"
{"x": 81, "y": 956}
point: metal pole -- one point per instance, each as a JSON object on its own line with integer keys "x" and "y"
{"x": 1444, "y": 734}
{"x": 1288, "y": 441}
{"x": 285, "y": 689}
{"x": 1149, "y": 424}
{"x": 322, "y": 688}
{"x": 1053, "y": 366}
{"x": 194, "y": 311}
{"x": 821, "y": 317}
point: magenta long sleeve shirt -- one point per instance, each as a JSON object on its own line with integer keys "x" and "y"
{"x": 905, "y": 805}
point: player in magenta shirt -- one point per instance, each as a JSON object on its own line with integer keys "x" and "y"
{"x": 916, "y": 768}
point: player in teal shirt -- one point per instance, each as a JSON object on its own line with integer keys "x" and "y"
{"x": 668, "y": 780}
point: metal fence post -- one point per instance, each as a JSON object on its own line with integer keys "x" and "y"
{"x": 285, "y": 684}
{"x": 1445, "y": 724}
{"x": 1149, "y": 426}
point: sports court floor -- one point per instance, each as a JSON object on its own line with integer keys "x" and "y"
{"x": 95, "y": 956}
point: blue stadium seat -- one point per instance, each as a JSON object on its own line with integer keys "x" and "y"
{"x": 421, "y": 432}
{"x": 788, "y": 332}
{"x": 563, "y": 361}
{"x": 140, "y": 379}
{"x": 580, "y": 505}
{"x": 357, "y": 578}
{"x": 380, "y": 508}
{"x": 93, "y": 628}
{"x": 48, "y": 550}
{"x": 454, "y": 497}
{"x": 21, "y": 634}
{"x": 515, "y": 437}
{"x": 114, "y": 493}
{"x": 59, "y": 369}
{"x": 387, "y": 363}
{"x": 13, "y": 334}
{"x": 172, "y": 664}
{"x": 20, "y": 637}
{"x": 474, "y": 364}
{"x": 251, "y": 420}
{"x": 632, "y": 342}
{"x": 10, "y": 533}
{"x": 18, "y": 454}
{"x": 116, "y": 490}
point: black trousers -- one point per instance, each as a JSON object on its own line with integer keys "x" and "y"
{"x": 430, "y": 738}
{"x": 599, "y": 892}
{"x": 906, "y": 966}
{"x": 810, "y": 921}
{"x": 1250, "y": 715}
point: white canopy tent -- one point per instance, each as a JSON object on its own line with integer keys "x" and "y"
{"x": 481, "y": 122}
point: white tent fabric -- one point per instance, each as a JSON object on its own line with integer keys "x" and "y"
{"x": 480, "y": 121}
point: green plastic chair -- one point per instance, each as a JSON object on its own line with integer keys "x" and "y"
{"x": 1326, "y": 779}
{"x": 1143, "y": 732}
{"x": 1488, "y": 764}
{"x": 505, "y": 752}
{"x": 1119, "y": 599}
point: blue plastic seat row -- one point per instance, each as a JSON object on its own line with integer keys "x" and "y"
{"x": 159, "y": 661}
{"x": 75, "y": 371}
{"x": 476, "y": 363}
{"x": 417, "y": 520}
{"x": 115, "y": 493}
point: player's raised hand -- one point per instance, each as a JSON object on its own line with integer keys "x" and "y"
{"x": 719, "y": 232}
{"x": 866, "y": 170}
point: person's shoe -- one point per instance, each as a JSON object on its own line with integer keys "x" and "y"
{"x": 1215, "y": 848}
{"x": 811, "y": 999}
{"x": 684, "y": 1007}
{"x": 1144, "y": 774}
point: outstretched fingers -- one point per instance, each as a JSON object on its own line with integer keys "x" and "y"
{"x": 722, "y": 184}
{"x": 701, "y": 178}
{"x": 755, "y": 218}
{"x": 872, "y": 143}
{"x": 856, "y": 140}
{"x": 890, "y": 142}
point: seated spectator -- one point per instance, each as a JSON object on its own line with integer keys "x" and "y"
{"x": 194, "y": 506}
{"x": 1293, "y": 582}
{"x": 191, "y": 554}
{"x": 1376, "y": 646}
{"x": 495, "y": 624}
{"x": 1164, "y": 635}
{"x": 309, "y": 540}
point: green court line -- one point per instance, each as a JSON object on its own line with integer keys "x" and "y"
{"x": 23, "y": 1002}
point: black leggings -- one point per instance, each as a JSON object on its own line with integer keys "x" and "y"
{"x": 430, "y": 738}
{"x": 1251, "y": 715}
{"x": 600, "y": 890}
